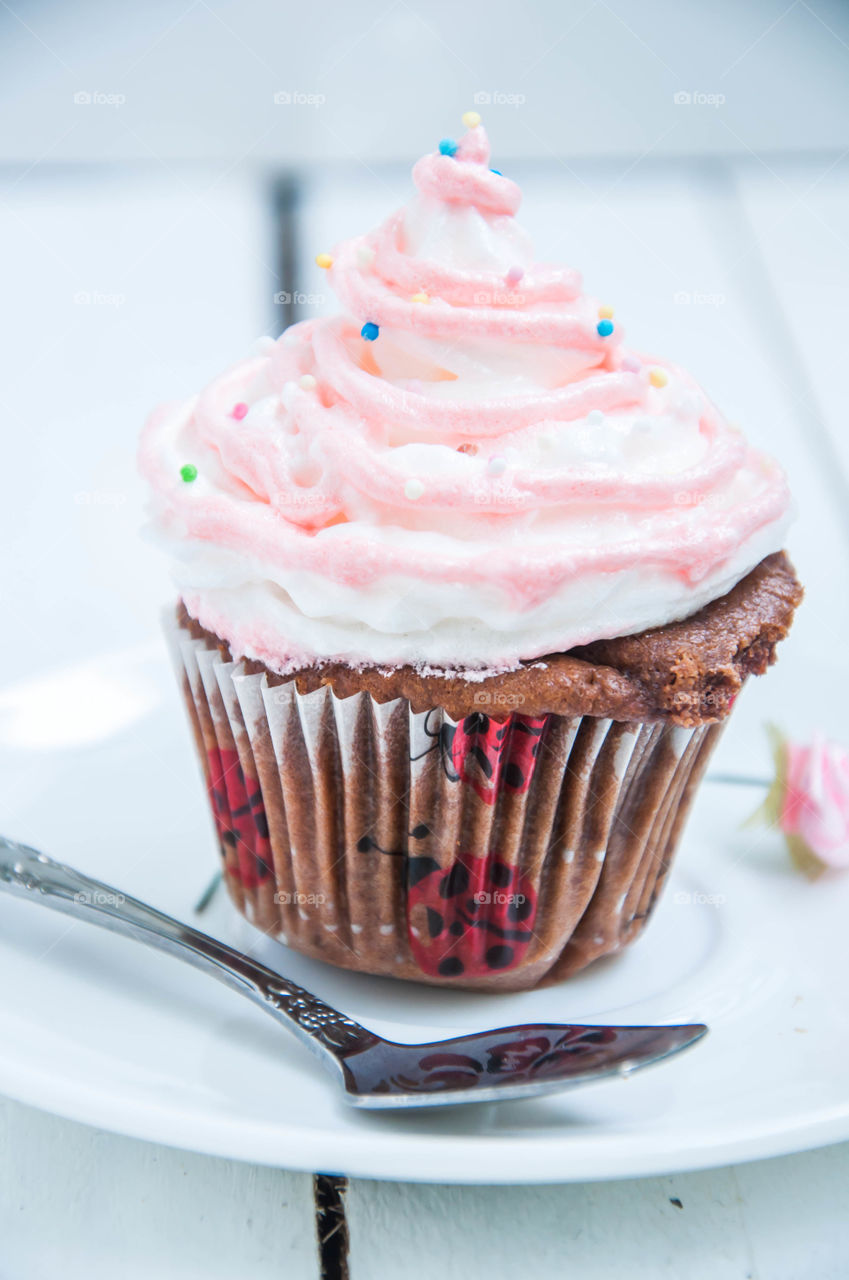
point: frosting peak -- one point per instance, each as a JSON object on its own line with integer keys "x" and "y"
{"x": 463, "y": 469}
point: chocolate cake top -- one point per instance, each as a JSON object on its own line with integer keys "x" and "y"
{"x": 686, "y": 673}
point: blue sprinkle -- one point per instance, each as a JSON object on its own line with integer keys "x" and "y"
{"x": 447, "y": 147}
{"x": 605, "y": 328}
{"x": 498, "y": 171}
{"x": 369, "y": 331}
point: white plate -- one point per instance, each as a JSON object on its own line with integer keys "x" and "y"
{"x": 97, "y": 771}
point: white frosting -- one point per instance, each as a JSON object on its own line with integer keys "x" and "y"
{"x": 453, "y": 497}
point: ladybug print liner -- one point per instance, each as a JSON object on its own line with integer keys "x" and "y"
{"x": 492, "y": 852}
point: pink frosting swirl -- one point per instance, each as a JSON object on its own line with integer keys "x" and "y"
{"x": 491, "y": 478}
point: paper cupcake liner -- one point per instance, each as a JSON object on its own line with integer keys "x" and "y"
{"x": 502, "y": 851}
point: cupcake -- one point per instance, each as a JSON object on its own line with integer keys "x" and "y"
{"x": 467, "y": 591}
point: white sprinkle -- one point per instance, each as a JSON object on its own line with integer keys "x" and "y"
{"x": 599, "y": 855}
{"x": 307, "y": 382}
{"x": 331, "y": 928}
{"x": 291, "y": 337}
{"x": 303, "y": 914}
{"x": 264, "y": 346}
{"x": 284, "y": 938}
{"x": 595, "y": 417}
{"x": 497, "y": 466}
{"x": 569, "y": 855}
{"x": 356, "y": 928}
{"x": 413, "y": 490}
{"x": 621, "y": 903}
{"x": 386, "y": 929}
{"x": 365, "y": 257}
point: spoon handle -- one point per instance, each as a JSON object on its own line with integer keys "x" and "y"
{"x": 28, "y": 874}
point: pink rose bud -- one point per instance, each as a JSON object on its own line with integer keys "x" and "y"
{"x": 809, "y": 801}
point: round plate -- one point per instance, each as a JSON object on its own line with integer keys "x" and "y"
{"x": 97, "y": 770}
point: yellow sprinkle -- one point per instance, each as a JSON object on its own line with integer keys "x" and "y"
{"x": 420, "y": 297}
{"x": 323, "y": 260}
{"x": 471, "y": 119}
{"x": 605, "y": 313}
{"x": 658, "y": 377}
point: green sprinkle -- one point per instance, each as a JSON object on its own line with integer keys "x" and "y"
{"x": 189, "y": 472}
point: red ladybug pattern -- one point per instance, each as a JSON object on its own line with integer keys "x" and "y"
{"x": 239, "y": 818}
{"x": 473, "y": 919}
{"x": 493, "y": 756}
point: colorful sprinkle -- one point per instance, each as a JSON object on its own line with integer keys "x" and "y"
{"x": 467, "y": 447}
{"x": 189, "y": 472}
{"x": 514, "y": 275}
{"x": 369, "y": 331}
{"x": 420, "y": 297}
{"x": 307, "y": 382}
{"x": 604, "y": 328}
{"x": 605, "y": 312}
{"x": 365, "y": 257}
{"x": 413, "y": 490}
{"x": 497, "y": 466}
{"x": 497, "y": 172}
{"x": 658, "y": 377}
{"x": 447, "y": 147}
{"x": 471, "y": 119}
{"x": 239, "y": 411}
{"x": 323, "y": 260}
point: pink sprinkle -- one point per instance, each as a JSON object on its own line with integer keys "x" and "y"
{"x": 631, "y": 364}
{"x": 239, "y": 411}
{"x": 514, "y": 275}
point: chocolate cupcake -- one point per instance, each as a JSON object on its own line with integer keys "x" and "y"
{"x": 467, "y": 592}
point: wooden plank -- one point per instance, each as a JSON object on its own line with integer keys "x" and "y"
{"x": 798, "y": 238}
{"x": 86, "y": 1204}
{"x": 130, "y": 288}
{"x": 779, "y": 1218}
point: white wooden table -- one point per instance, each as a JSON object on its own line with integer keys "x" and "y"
{"x": 136, "y": 283}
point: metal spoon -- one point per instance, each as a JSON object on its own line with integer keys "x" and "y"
{"x": 508, "y": 1062}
